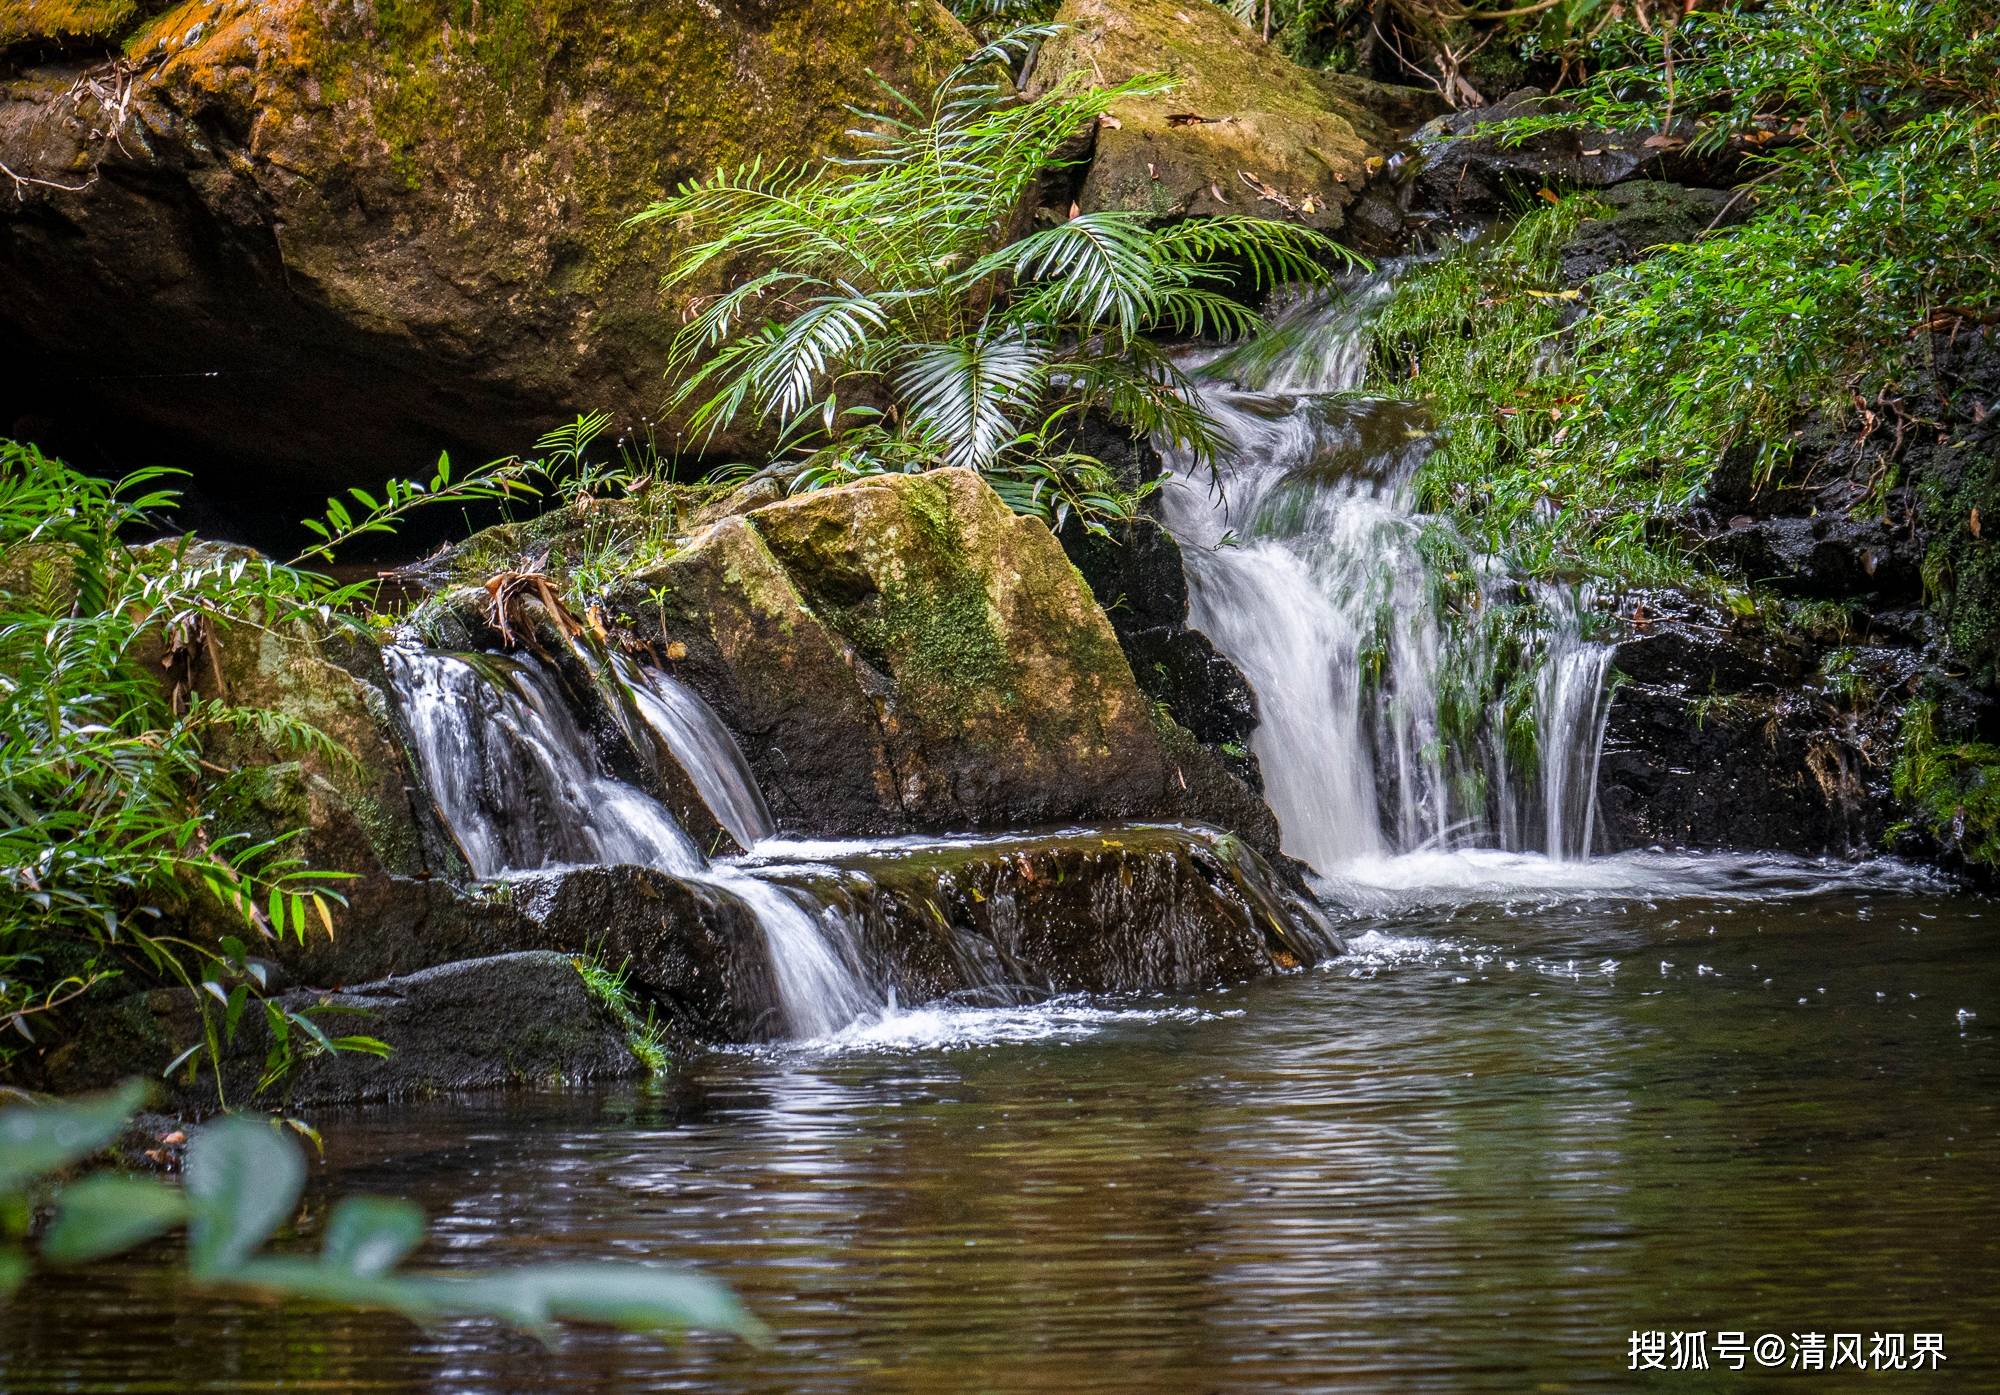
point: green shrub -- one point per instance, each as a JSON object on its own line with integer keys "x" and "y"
{"x": 900, "y": 323}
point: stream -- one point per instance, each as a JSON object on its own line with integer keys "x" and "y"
{"x": 1553, "y": 1094}
{"x": 1513, "y": 1126}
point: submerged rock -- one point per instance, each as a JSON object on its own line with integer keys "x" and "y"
{"x": 350, "y": 232}
{"x": 1245, "y": 130}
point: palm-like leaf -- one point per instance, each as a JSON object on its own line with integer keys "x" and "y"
{"x": 966, "y": 390}
{"x": 884, "y": 282}
{"x": 1097, "y": 269}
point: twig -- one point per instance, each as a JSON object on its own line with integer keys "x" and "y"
{"x": 22, "y": 181}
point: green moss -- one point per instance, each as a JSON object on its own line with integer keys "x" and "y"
{"x": 1952, "y": 787}
{"x": 934, "y": 627}
{"x": 1961, "y": 565}
{"x": 23, "y": 21}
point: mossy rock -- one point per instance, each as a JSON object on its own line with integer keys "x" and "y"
{"x": 1115, "y": 908}
{"x": 407, "y": 222}
{"x": 1245, "y": 130}
{"x": 906, "y": 653}
{"x": 70, "y": 24}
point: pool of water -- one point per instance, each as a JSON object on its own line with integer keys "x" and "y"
{"x": 1536, "y": 1109}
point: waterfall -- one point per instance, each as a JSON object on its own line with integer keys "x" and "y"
{"x": 522, "y": 786}
{"x": 702, "y": 746}
{"x": 1398, "y": 671}
{"x": 518, "y": 782}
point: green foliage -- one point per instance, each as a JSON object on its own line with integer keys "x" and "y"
{"x": 104, "y": 816}
{"x": 1952, "y": 787}
{"x": 1875, "y": 158}
{"x": 1571, "y": 431}
{"x": 1480, "y": 339}
{"x": 119, "y": 838}
{"x": 901, "y": 323}
{"x": 242, "y": 1183}
{"x": 612, "y": 988}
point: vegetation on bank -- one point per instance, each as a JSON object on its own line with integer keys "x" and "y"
{"x": 1577, "y": 421}
{"x": 126, "y": 847}
{"x": 905, "y": 320}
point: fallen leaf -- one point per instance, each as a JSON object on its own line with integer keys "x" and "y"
{"x": 1190, "y": 118}
{"x": 1215, "y": 192}
{"x": 677, "y": 651}
{"x": 1548, "y": 194}
{"x": 1308, "y": 206}
{"x": 1074, "y": 209}
{"x": 174, "y": 1139}
{"x": 1265, "y": 191}
{"x": 1592, "y": 152}
{"x": 1110, "y": 122}
{"x": 1663, "y": 142}
{"x": 1373, "y": 164}
{"x": 1975, "y": 520}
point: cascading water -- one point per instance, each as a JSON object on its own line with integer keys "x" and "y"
{"x": 522, "y": 787}
{"x": 1404, "y": 686}
{"x": 518, "y": 782}
{"x": 699, "y": 742}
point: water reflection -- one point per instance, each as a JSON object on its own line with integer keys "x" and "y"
{"x": 1473, "y": 1156}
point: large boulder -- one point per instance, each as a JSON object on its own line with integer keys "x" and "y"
{"x": 1244, "y": 130}
{"x": 905, "y": 653}
{"x": 332, "y": 236}
{"x": 511, "y": 1019}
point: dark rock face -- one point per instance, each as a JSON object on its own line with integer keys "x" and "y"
{"x": 1784, "y": 729}
{"x": 1644, "y": 214}
{"x": 334, "y": 238}
{"x": 1137, "y": 577}
{"x": 1467, "y": 174}
{"x": 511, "y": 1019}
{"x": 1723, "y": 733}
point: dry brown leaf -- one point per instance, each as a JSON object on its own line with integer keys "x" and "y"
{"x": 1110, "y": 122}
{"x": 1974, "y": 521}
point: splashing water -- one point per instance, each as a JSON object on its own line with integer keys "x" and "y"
{"x": 1408, "y": 700}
